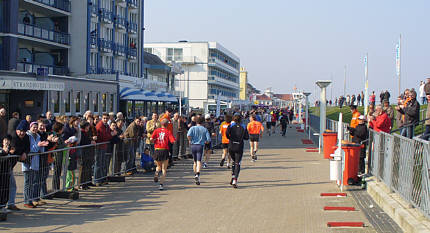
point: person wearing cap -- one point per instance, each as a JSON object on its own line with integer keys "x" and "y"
{"x": 380, "y": 121}
{"x": 360, "y": 134}
{"x": 209, "y": 125}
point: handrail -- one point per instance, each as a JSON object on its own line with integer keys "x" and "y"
{"x": 35, "y": 31}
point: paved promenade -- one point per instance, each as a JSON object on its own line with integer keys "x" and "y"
{"x": 278, "y": 193}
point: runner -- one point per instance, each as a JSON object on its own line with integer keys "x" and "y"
{"x": 209, "y": 125}
{"x": 236, "y": 134}
{"x": 268, "y": 119}
{"x": 284, "y": 122}
{"x": 161, "y": 138}
{"x": 274, "y": 120}
{"x": 222, "y": 130}
{"x": 198, "y": 136}
{"x": 255, "y": 130}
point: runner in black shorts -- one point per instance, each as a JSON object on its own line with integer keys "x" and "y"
{"x": 254, "y": 137}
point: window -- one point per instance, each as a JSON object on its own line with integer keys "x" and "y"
{"x": 56, "y": 101}
{"x": 87, "y": 101}
{"x": 111, "y": 102}
{"x": 104, "y": 107}
{"x": 96, "y": 103}
{"x": 93, "y": 59}
{"x": 67, "y": 103}
{"x": 148, "y": 50}
{"x": 174, "y": 54}
{"x": 78, "y": 102}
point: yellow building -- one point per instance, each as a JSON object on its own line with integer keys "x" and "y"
{"x": 243, "y": 84}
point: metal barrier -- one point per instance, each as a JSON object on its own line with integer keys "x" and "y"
{"x": 330, "y": 125}
{"x": 403, "y": 164}
{"x": 58, "y": 173}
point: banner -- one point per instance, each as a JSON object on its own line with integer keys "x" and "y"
{"x": 398, "y": 47}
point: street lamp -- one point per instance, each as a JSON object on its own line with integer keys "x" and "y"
{"x": 323, "y": 84}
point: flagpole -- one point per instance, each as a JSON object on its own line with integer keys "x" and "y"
{"x": 399, "y": 68}
{"x": 344, "y": 83}
{"x": 366, "y": 84}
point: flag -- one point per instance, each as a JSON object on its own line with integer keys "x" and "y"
{"x": 398, "y": 47}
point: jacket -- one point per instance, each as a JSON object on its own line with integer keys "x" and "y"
{"x": 381, "y": 123}
{"x": 390, "y": 112}
{"x": 236, "y": 134}
{"x": 359, "y": 133}
{"x": 33, "y": 163}
{"x": 3, "y": 127}
{"x": 131, "y": 133}
{"x": 103, "y": 134}
{"x": 428, "y": 115}
{"x": 411, "y": 112}
{"x": 11, "y": 127}
{"x": 21, "y": 146}
{"x": 150, "y": 127}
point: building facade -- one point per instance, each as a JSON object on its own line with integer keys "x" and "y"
{"x": 47, "y": 52}
{"x": 210, "y": 71}
{"x": 243, "y": 84}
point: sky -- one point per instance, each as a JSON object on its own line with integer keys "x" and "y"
{"x": 285, "y": 44}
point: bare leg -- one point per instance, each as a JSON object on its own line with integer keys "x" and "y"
{"x": 164, "y": 170}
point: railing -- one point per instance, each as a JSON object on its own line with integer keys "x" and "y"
{"x": 92, "y": 70}
{"x": 94, "y": 9}
{"x": 32, "y": 68}
{"x": 132, "y": 52}
{"x": 106, "y": 15}
{"x": 132, "y": 27}
{"x": 403, "y": 164}
{"x": 120, "y": 21}
{"x": 105, "y": 44}
{"x": 119, "y": 49}
{"x": 93, "y": 40}
{"x": 332, "y": 125}
{"x": 59, "y": 4}
{"x": 105, "y": 70}
{"x": 132, "y": 3}
{"x": 45, "y": 34}
{"x": 51, "y": 173}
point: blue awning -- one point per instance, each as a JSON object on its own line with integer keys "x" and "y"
{"x": 141, "y": 95}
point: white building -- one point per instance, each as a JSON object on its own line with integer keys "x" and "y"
{"x": 210, "y": 70}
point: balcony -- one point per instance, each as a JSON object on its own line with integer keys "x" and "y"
{"x": 119, "y": 50}
{"x": 120, "y": 21}
{"x": 106, "y": 15}
{"x": 94, "y": 10}
{"x": 92, "y": 70}
{"x": 59, "y": 4}
{"x": 132, "y": 53}
{"x": 93, "y": 41}
{"x": 105, "y": 71}
{"x": 132, "y": 3}
{"x": 44, "y": 34}
{"x": 32, "y": 68}
{"x": 132, "y": 27}
{"x": 105, "y": 45}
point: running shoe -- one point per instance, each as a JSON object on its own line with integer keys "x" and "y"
{"x": 231, "y": 181}
{"x": 205, "y": 165}
{"x": 160, "y": 187}
{"x": 234, "y": 183}
{"x": 222, "y": 162}
{"x": 228, "y": 165}
{"x": 197, "y": 179}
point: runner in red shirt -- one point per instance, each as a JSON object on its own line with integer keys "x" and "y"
{"x": 161, "y": 138}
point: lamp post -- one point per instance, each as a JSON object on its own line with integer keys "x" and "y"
{"x": 307, "y": 94}
{"x": 323, "y": 84}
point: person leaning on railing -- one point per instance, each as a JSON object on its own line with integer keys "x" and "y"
{"x": 360, "y": 135}
{"x": 380, "y": 121}
{"x": 411, "y": 111}
{"x": 87, "y": 156}
{"x": 426, "y": 135}
{"x": 5, "y": 168}
{"x": 131, "y": 134}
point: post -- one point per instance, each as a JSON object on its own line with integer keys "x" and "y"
{"x": 323, "y": 84}
{"x": 344, "y": 82}
{"x": 307, "y": 113}
{"x": 366, "y": 86}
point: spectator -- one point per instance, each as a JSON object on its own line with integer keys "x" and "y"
{"x": 348, "y": 99}
{"x": 26, "y": 122}
{"x": 72, "y": 133}
{"x": 389, "y": 110}
{"x": 355, "y": 115}
{"x": 13, "y": 123}
{"x": 381, "y": 96}
{"x": 362, "y": 99}
{"x": 372, "y": 98}
{"x": 104, "y": 134}
{"x": 380, "y": 121}
{"x": 426, "y": 135}
{"x": 422, "y": 93}
{"x": 360, "y": 134}
{"x": 399, "y": 115}
{"x": 386, "y": 96}
{"x": 150, "y": 127}
{"x": 58, "y": 157}
{"x": 119, "y": 158}
{"x": 111, "y": 118}
{"x": 5, "y": 168}
{"x": 358, "y": 100}
{"x": 411, "y": 111}
{"x": 353, "y": 99}
{"x": 131, "y": 135}
{"x": 87, "y": 158}
{"x": 209, "y": 125}
{"x": 3, "y": 123}
{"x": 179, "y": 133}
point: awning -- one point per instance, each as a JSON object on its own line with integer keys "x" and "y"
{"x": 141, "y": 95}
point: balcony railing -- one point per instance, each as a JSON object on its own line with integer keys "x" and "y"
{"x": 132, "y": 27}
{"x": 106, "y": 15}
{"x": 94, "y": 10}
{"x": 105, "y": 70}
{"x": 93, "y": 41}
{"x": 59, "y": 4}
{"x": 132, "y": 53}
{"x": 119, "y": 49}
{"x": 32, "y": 68}
{"x": 105, "y": 45}
{"x": 92, "y": 70}
{"x": 120, "y": 21}
{"x": 44, "y": 34}
{"x": 132, "y": 3}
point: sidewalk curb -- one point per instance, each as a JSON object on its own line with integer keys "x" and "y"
{"x": 409, "y": 219}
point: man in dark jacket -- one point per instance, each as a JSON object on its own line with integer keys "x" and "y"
{"x": 411, "y": 110}
{"x": 360, "y": 135}
{"x": 236, "y": 134}
{"x": 3, "y": 123}
{"x": 13, "y": 123}
{"x": 387, "y": 96}
{"x": 21, "y": 145}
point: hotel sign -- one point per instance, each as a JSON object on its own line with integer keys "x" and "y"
{"x": 31, "y": 85}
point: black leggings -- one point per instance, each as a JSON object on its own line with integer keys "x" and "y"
{"x": 237, "y": 158}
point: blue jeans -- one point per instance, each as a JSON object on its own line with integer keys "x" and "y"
{"x": 31, "y": 186}
{"x": 426, "y": 135}
{"x": 100, "y": 166}
{"x": 12, "y": 190}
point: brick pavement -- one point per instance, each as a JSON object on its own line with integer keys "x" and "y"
{"x": 278, "y": 193}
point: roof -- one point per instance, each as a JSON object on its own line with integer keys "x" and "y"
{"x": 262, "y": 97}
{"x": 287, "y": 97}
{"x": 154, "y": 62}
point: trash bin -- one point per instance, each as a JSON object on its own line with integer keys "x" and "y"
{"x": 329, "y": 143}
{"x": 352, "y": 158}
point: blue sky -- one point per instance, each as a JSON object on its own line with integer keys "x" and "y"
{"x": 284, "y": 43}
